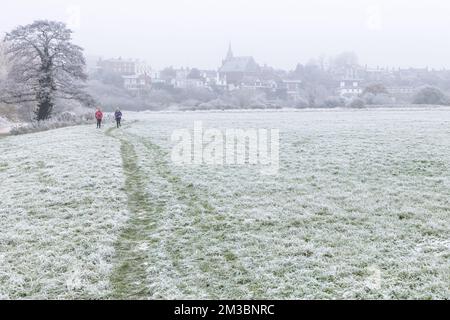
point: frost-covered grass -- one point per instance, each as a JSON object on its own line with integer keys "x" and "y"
{"x": 62, "y": 204}
{"x": 360, "y": 209}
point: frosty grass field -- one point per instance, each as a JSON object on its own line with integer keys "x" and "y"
{"x": 360, "y": 209}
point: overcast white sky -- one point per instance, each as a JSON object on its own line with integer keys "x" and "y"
{"x": 280, "y": 33}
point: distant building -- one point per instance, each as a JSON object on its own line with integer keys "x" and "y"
{"x": 124, "y": 67}
{"x": 119, "y": 66}
{"x": 253, "y": 82}
{"x": 136, "y": 82}
{"x": 292, "y": 88}
{"x": 411, "y": 72}
{"x": 186, "y": 78}
{"x": 182, "y": 73}
{"x": 377, "y": 74}
{"x": 401, "y": 90}
{"x": 350, "y": 87}
{"x": 189, "y": 83}
{"x": 234, "y": 69}
{"x": 142, "y": 68}
{"x": 212, "y": 78}
{"x": 136, "y": 74}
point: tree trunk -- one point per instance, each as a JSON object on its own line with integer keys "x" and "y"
{"x": 44, "y": 108}
{"x": 45, "y": 93}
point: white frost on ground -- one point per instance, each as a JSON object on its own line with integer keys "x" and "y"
{"x": 360, "y": 209}
{"x": 61, "y": 208}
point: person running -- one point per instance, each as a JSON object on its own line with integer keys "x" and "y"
{"x": 99, "y": 117}
{"x": 118, "y": 117}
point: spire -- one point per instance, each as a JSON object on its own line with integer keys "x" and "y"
{"x": 230, "y": 53}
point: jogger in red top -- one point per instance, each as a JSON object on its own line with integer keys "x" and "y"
{"x": 99, "y": 117}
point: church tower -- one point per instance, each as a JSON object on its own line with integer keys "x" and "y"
{"x": 229, "y": 54}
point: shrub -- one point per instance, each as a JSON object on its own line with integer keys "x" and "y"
{"x": 298, "y": 103}
{"x": 333, "y": 102}
{"x": 301, "y": 103}
{"x": 191, "y": 103}
{"x": 377, "y": 99}
{"x": 356, "y": 103}
{"x": 430, "y": 95}
{"x": 65, "y": 119}
{"x": 215, "y": 104}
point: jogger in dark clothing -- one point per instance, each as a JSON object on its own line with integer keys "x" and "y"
{"x": 118, "y": 116}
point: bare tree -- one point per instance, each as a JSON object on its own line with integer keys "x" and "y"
{"x": 376, "y": 88}
{"x": 45, "y": 66}
{"x": 345, "y": 60}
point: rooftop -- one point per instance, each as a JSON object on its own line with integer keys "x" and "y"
{"x": 239, "y": 64}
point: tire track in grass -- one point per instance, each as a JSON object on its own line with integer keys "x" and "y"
{"x": 129, "y": 276}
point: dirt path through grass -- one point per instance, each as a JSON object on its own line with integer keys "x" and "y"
{"x": 129, "y": 274}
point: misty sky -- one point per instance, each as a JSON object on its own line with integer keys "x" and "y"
{"x": 280, "y": 33}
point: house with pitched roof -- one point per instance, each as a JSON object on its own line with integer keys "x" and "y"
{"x": 235, "y": 69}
{"x": 350, "y": 85}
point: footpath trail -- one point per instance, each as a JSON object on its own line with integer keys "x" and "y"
{"x": 129, "y": 274}
{"x": 168, "y": 248}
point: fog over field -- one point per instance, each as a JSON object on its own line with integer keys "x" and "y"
{"x": 280, "y": 33}
{"x": 236, "y": 150}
